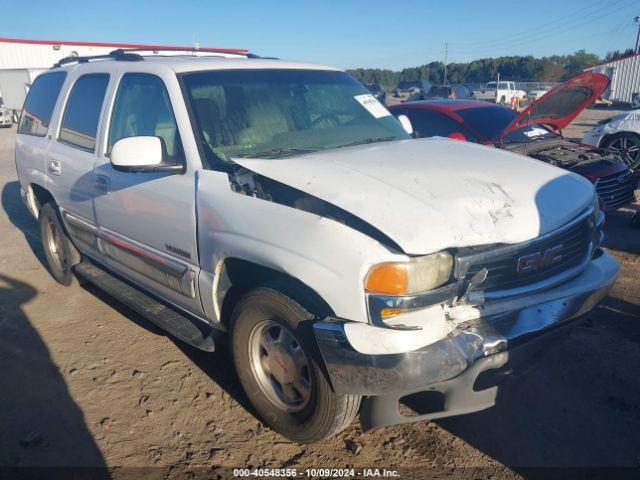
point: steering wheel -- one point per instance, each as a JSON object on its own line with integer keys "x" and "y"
{"x": 326, "y": 117}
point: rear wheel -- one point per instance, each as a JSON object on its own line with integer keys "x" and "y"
{"x": 60, "y": 253}
{"x": 627, "y": 146}
{"x": 280, "y": 369}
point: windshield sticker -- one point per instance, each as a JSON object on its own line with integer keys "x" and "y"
{"x": 535, "y": 132}
{"x": 373, "y": 106}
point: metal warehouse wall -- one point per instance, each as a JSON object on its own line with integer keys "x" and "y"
{"x": 624, "y": 75}
{"x": 36, "y": 56}
{"x": 20, "y": 63}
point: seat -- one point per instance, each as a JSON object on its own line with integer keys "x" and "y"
{"x": 265, "y": 121}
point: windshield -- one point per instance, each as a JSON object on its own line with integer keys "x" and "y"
{"x": 277, "y": 113}
{"x": 488, "y": 122}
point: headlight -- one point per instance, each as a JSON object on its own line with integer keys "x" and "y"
{"x": 406, "y": 278}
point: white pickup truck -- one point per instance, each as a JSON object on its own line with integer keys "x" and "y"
{"x": 278, "y": 207}
{"x": 499, "y": 92}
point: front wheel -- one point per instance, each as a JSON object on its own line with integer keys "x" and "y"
{"x": 279, "y": 367}
{"x": 60, "y": 253}
{"x": 626, "y": 145}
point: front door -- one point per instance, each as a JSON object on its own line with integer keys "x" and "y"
{"x": 147, "y": 221}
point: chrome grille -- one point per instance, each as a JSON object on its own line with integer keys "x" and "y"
{"x": 616, "y": 190}
{"x": 571, "y": 245}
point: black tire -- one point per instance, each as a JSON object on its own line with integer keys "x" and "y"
{"x": 60, "y": 253}
{"x": 627, "y": 146}
{"x": 325, "y": 413}
{"x": 503, "y": 100}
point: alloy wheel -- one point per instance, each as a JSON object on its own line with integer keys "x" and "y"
{"x": 628, "y": 149}
{"x": 280, "y": 366}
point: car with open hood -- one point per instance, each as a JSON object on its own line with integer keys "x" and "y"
{"x": 279, "y": 208}
{"x": 535, "y": 132}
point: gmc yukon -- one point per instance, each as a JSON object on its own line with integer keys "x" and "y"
{"x": 279, "y": 207}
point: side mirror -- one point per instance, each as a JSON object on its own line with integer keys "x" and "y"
{"x": 406, "y": 123}
{"x": 142, "y": 154}
{"x": 457, "y": 136}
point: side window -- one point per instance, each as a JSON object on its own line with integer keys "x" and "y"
{"x": 430, "y": 124}
{"x": 38, "y": 107}
{"x": 143, "y": 108}
{"x": 82, "y": 113}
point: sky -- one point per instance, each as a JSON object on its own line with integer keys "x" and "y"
{"x": 348, "y": 33}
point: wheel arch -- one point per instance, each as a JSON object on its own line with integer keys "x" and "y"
{"x": 37, "y": 196}
{"x": 607, "y": 137}
{"x": 237, "y": 276}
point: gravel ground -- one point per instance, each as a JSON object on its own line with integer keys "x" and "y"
{"x": 84, "y": 381}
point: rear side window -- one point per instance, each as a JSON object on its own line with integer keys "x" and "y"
{"x": 143, "y": 108}
{"x": 40, "y": 102}
{"x": 430, "y": 124}
{"x": 82, "y": 113}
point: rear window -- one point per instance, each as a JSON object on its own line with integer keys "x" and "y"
{"x": 488, "y": 122}
{"x": 428, "y": 123}
{"x": 81, "y": 115}
{"x": 40, "y": 102}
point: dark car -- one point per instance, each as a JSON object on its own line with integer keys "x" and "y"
{"x": 442, "y": 91}
{"x": 377, "y": 91}
{"x": 411, "y": 86}
{"x": 535, "y": 132}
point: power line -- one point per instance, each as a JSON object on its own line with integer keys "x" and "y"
{"x": 544, "y": 26}
{"x": 540, "y": 36}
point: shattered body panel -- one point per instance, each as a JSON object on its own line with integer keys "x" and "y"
{"x": 432, "y": 194}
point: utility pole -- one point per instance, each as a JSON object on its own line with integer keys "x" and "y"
{"x": 446, "y": 53}
{"x": 637, "y": 19}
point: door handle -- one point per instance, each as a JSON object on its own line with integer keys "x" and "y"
{"x": 55, "y": 168}
{"x": 102, "y": 184}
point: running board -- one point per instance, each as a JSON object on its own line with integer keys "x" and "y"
{"x": 177, "y": 324}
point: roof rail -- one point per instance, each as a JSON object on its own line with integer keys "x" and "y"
{"x": 115, "y": 55}
{"x": 130, "y": 55}
{"x": 233, "y": 51}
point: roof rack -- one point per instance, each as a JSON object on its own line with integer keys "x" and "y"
{"x": 130, "y": 55}
{"x": 115, "y": 55}
{"x": 158, "y": 49}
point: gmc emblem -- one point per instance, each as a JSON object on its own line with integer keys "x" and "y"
{"x": 536, "y": 261}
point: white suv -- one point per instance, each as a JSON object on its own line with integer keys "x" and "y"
{"x": 279, "y": 207}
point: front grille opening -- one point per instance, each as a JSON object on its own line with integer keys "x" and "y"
{"x": 572, "y": 248}
{"x": 616, "y": 190}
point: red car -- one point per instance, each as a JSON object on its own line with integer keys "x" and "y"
{"x": 536, "y": 132}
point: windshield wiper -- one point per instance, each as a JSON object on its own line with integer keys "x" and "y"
{"x": 280, "y": 152}
{"x": 368, "y": 140}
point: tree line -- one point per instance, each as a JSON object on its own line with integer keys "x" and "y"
{"x": 554, "y": 68}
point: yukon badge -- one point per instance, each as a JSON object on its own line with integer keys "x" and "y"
{"x": 533, "y": 262}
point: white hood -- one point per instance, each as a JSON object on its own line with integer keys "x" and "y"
{"x": 432, "y": 194}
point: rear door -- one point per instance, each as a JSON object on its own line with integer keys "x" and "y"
{"x": 147, "y": 221}
{"x": 33, "y": 136}
{"x": 72, "y": 154}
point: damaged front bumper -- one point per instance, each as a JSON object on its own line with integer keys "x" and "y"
{"x": 476, "y": 354}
